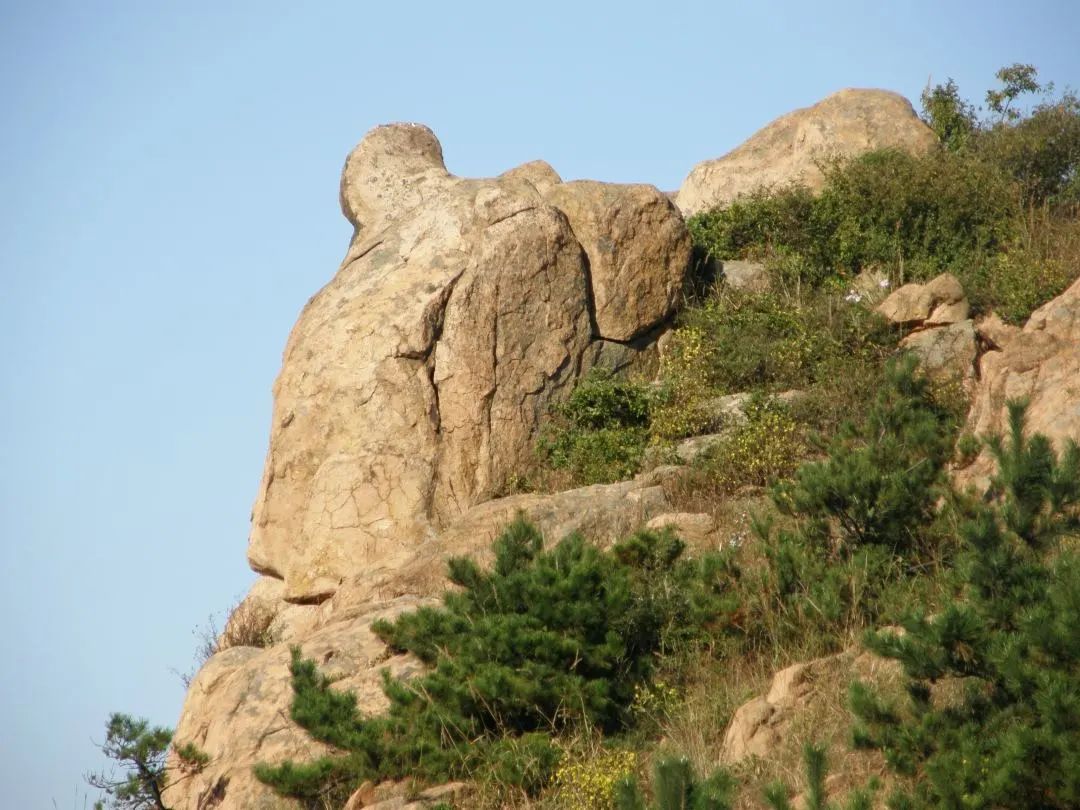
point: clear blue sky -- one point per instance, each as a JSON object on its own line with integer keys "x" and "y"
{"x": 169, "y": 202}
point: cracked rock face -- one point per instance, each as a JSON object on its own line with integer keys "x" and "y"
{"x": 845, "y": 124}
{"x": 1040, "y": 363}
{"x": 413, "y": 383}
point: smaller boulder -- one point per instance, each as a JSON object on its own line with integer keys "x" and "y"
{"x": 996, "y": 332}
{"x": 939, "y": 302}
{"x": 638, "y": 249}
{"x": 946, "y": 353}
{"x": 745, "y": 275}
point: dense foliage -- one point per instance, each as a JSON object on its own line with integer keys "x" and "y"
{"x": 545, "y": 643}
{"x": 1008, "y": 736}
{"x": 600, "y": 433}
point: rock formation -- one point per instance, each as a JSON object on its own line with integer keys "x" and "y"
{"x": 943, "y": 337}
{"x": 413, "y": 383}
{"x": 790, "y": 149}
{"x": 1039, "y": 363}
{"x": 411, "y": 390}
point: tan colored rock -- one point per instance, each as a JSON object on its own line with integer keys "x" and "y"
{"x": 939, "y": 302}
{"x": 790, "y": 149}
{"x": 750, "y": 276}
{"x": 693, "y": 527}
{"x": 537, "y": 173}
{"x": 413, "y": 383}
{"x": 761, "y": 726}
{"x": 236, "y": 708}
{"x": 1040, "y": 363}
{"x": 945, "y": 353}
{"x": 996, "y": 332}
{"x": 638, "y": 250}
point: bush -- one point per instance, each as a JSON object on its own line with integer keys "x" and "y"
{"x": 676, "y": 787}
{"x": 600, "y": 433}
{"x": 766, "y": 448}
{"x": 881, "y": 481}
{"x": 860, "y": 522}
{"x": 545, "y": 642}
{"x": 589, "y": 783}
{"x": 1011, "y": 737}
{"x": 764, "y": 342}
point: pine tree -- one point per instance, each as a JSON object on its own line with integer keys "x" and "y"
{"x": 676, "y": 787}
{"x": 546, "y": 641}
{"x": 143, "y": 750}
{"x": 1012, "y": 738}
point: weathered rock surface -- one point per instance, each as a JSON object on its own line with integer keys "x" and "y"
{"x": 693, "y": 527}
{"x": 236, "y": 708}
{"x": 413, "y": 383}
{"x": 638, "y": 252}
{"x": 945, "y": 353}
{"x": 788, "y": 150}
{"x": 745, "y": 275}
{"x": 939, "y": 302}
{"x": 762, "y": 725}
{"x": 1040, "y": 363}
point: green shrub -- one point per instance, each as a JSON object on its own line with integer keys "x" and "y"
{"x": 600, "y": 433}
{"x": 545, "y": 642}
{"x": 861, "y": 522}
{"x": 881, "y": 481}
{"x": 676, "y": 787}
{"x": 766, "y": 448}
{"x": 768, "y": 342}
{"x": 1011, "y": 737}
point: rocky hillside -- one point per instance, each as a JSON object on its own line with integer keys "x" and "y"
{"x": 416, "y": 384}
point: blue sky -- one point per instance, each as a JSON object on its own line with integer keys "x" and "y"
{"x": 169, "y": 202}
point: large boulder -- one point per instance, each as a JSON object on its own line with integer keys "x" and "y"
{"x": 791, "y": 148}
{"x": 413, "y": 383}
{"x": 1040, "y": 364}
{"x": 627, "y": 232}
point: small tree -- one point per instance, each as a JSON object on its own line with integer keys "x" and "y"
{"x": 546, "y": 641}
{"x": 1011, "y": 738}
{"x": 676, "y": 787}
{"x": 142, "y": 750}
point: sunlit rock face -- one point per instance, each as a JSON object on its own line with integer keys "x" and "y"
{"x": 414, "y": 382}
{"x": 792, "y": 148}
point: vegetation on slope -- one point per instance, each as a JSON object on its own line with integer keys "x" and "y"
{"x": 573, "y": 677}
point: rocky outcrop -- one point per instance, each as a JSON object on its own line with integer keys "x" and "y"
{"x": 765, "y": 723}
{"x": 1039, "y": 363}
{"x": 942, "y": 336}
{"x": 237, "y": 707}
{"x": 413, "y": 383}
{"x": 791, "y": 148}
{"x": 411, "y": 389}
